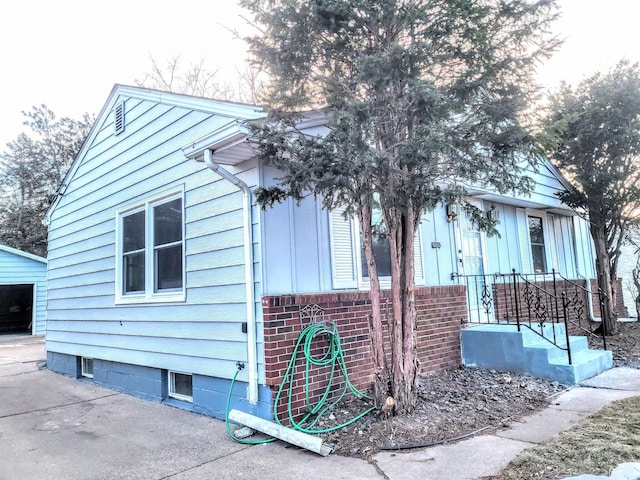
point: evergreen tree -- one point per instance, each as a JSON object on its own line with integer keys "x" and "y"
{"x": 592, "y": 133}
{"x": 421, "y": 97}
{"x": 31, "y": 171}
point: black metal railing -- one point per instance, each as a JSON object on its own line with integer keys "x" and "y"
{"x": 580, "y": 302}
{"x": 538, "y": 302}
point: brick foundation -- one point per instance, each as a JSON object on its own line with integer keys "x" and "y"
{"x": 440, "y": 312}
{"x": 621, "y": 309}
{"x": 532, "y": 309}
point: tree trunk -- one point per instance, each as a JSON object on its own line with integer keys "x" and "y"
{"x": 409, "y": 348}
{"x": 636, "y": 282}
{"x": 608, "y": 296}
{"x": 403, "y": 358}
{"x": 381, "y": 383}
{"x": 398, "y": 380}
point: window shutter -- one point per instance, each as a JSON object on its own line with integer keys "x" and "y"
{"x": 524, "y": 241}
{"x": 418, "y": 259}
{"x": 344, "y": 267}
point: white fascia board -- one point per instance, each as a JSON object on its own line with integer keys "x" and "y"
{"x": 555, "y": 171}
{"x": 217, "y": 107}
{"x": 224, "y": 138}
{"x": 516, "y": 200}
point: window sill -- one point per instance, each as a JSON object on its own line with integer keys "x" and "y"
{"x": 182, "y": 404}
{"x": 151, "y": 299}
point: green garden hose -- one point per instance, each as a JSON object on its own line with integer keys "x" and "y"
{"x": 333, "y": 357}
{"x": 226, "y": 421}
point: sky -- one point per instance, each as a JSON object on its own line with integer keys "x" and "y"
{"x": 68, "y": 54}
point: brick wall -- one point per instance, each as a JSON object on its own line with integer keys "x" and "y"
{"x": 538, "y": 302}
{"x": 620, "y": 307}
{"x": 440, "y": 311}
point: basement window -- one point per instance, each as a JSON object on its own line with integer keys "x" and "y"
{"x": 181, "y": 386}
{"x": 86, "y": 369}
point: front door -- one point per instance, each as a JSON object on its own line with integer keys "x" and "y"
{"x": 471, "y": 260}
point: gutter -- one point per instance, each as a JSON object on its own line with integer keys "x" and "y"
{"x": 252, "y": 349}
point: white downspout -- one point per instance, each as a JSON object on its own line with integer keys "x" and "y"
{"x": 587, "y": 282}
{"x": 248, "y": 269}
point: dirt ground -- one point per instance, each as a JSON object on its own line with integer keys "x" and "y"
{"x": 460, "y": 402}
{"x": 625, "y": 345}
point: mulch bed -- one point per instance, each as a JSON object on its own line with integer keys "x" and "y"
{"x": 459, "y": 402}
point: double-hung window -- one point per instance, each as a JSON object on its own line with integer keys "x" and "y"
{"x": 538, "y": 248}
{"x": 348, "y": 263}
{"x": 538, "y": 251}
{"x": 150, "y": 258}
{"x": 381, "y": 247}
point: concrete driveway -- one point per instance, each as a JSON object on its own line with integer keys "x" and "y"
{"x": 53, "y": 427}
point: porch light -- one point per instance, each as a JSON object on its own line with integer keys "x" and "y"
{"x": 493, "y": 214}
{"x": 452, "y": 212}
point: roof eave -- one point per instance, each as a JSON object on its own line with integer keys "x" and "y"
{"x": 20, "y": 253}
{"x": 230, "y": 145}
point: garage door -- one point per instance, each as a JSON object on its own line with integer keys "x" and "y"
{"x": 16, "y": 308}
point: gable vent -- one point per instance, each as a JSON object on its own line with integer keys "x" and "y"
{"x": 118, "y": 119}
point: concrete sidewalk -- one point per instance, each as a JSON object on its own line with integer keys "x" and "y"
{"x": 56, "y": 427}
{"x": 486, "y": 455}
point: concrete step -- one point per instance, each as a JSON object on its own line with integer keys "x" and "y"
{"x": 548, "y": 351}
{"x": 502, "y": 347}
{"x": 533, "y": 333}
{"x": 584, "y": 365}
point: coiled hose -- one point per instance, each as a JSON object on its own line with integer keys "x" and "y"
{"x": 332, "y": 356}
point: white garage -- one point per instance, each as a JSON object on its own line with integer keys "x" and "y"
{"x": 23, "y": 292}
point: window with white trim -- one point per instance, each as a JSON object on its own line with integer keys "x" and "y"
{"x": 181, "y": 386}
{"x": 150, "y": 257}
{"x": 381, "y": 247}
{"x": 348, "y": 265}
{"x": 86, "y": 367}
{"x": 538, "y": 250}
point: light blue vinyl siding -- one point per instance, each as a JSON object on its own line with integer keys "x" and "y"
{"x": 504, "y": 249}
{"x": 543, "y": 195}
{"x": 295, "y": 245}
{"x": 439, "y": 247}
{"x": 503, "y": 252}
{"x": 19, "y": 269}
{"x": 202, "y": 335}
{"x": 299, "y": 236}
{"x": 585, "y": 253}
